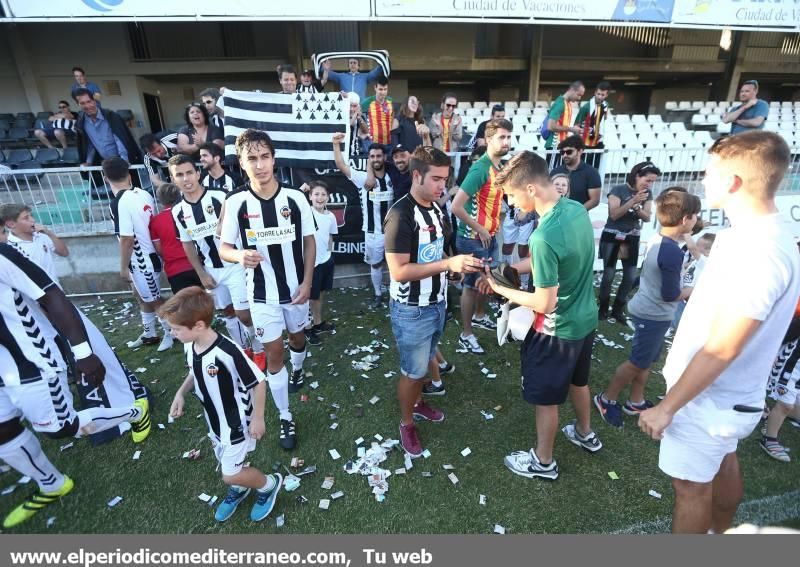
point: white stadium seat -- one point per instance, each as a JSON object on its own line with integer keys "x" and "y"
{"x": 638, "y": 118}
{"x": 685, "y": 105}
{"x": 774, "y": 104}
{"x": 526, "y": 104}
{"x": 642, "y": 128}
{"x": 621, "y": 118}
{"x": 724, "y": 104}
{"x": 711, "y": 104}
{"x": 494, "y": 103}
{"x": 479, "y": 104}
{"x": 655, "y": 119}
{"x": 542, "y": 104}
{"x": 786, "y": 104}
{"x": 677, "y": 126}
{"x": 704, "y": 137}
{"x": 698, "y": 104}
{"x": 464, "y": 105}
{"x": 511, "y": 105}
{"x": 473, "y": 112}
{"x": 671, "y": 105}
{"x": 523, "y": 111}
{"x": 723, "y": 128}
{"x": 698, "y": 119}
{"x": 713, "y": 119}
{"x": 659, "y": 126}
{"x": 705, "y": 111}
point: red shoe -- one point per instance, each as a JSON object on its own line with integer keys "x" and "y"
{"x": 410, "y": 441}
{"x": 260, "y": 358}
{"x": 429, "y": 413}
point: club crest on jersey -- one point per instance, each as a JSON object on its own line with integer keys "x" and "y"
{"x": 782, "y": 390}
{"x": 147, "y": 209}
{"x": 212, "y": 369}
{"x": 285, "y": 211}
{"x": 259, "y": 331}
{"x": 210, "y": 209}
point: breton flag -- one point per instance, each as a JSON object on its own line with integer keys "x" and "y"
{"x": 301, "y": 125}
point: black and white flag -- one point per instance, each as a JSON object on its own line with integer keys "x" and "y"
{"x": 301, "y": 125}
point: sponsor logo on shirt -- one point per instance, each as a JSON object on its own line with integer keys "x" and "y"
{"x": 212, "y": 370}
{"x": 381, "y": 196}
{"x": 203, "y": 230}
{"x": 268, "y": 236}
{"x": 251, "y": 216}
{"x": 430, "y": 252}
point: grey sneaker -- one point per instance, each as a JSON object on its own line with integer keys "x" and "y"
{"x": 484, "y": 323}
{"x": 471, "y": 344}
{"x": 590, "y": 442}
{"x": 527, "y": 464}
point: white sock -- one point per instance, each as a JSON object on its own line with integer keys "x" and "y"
{"x": 279, "y": 386}
{"x": 297, "y": 358}
{"x": 436, "y": 383}
{"x": 235, "y": 331}
{"x": 165, "y": 326}
{"x": 92, "y": 420}
{"x": 377, "y": 279}
{"x": 269, "y": 485}
{"x": 255, "y": 344}
{"x": 149, "y": 324}
{"x": 24, "y": 454}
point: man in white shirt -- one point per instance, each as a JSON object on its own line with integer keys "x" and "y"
{"x": 730, "y": 332}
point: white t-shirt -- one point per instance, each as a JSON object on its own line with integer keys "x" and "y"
{"x": 326, "y": 226}
{"x": 753, "y": 271}
{"x": 39, "y": 250}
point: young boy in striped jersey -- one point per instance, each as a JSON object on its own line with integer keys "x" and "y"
{"x": 232, "y": 391}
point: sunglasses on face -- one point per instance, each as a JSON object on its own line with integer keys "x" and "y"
{"x": 450, "y": 105}
{"x": 63, "y": 106}
{"x": 567, "y": 152}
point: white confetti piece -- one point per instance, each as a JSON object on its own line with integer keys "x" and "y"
{"x": 482, "y": 499}
{"x": 8, "y": 490}
{"x": 485, "y": 371}
{"x": 327, "y": 484}
{"x": 426, "y": 454}
{"x": 378, "y": 436}
{"x": 498, "y": 529}
{"x": 654, "y": 494}
{"x": 24, "y": 480}
{"x": 374, "y": 400}
{"x": 334, "y": 454}
{"x": 359, "y": 441}
{"x": 491, "y": 376}
{"x": 448, "y": 467}
{"x": 401, "y": 470}
{"x": 140, "y": 370}
{"x": 334, "y": 425}
{"x": 314, "y": 385}
{"x": 170, "y": 419}
{"x": 466, "y": 452}
{"x": 337, "y": 495}
{"x": 213, "y": 500}
{"x": 161, "y": 426}
{"x": 453, "y": 478}
{"x": 114, "y": 501}
{"x": 67, "y": 446}
{"x": 204, "y": 497}
{"x": 486, "y": 415}
{"x": 324, "y": 504}
{"x": 280, "y": 521}
{"x": 136, "y": 455}
{"x": 50, "y": 521}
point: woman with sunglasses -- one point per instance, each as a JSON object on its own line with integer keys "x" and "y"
{"x": 446, "y": 126}
{"x": 198, "y": 131}
{"x": 629, "y": 205}
{"x": 408, "y": 126}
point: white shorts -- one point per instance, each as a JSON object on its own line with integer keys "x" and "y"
{"x": 231, "y": 458}
{"x": 374, "y": 248}
{"x": 788, "y": 393}
{"x": 514, "y": 233}
{"x": 46, "y": 403}
{"x": 147, "y": 285}
{"x": 270, "y": 320}
{"x": 231, "y": 287}
{"x": 700, "y": 436}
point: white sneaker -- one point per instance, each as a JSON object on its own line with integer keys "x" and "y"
{"x": 143, "y": 340}
{"x": 527, "y": 464}
{"x": 470, "y": 343}
{"x": 166, "y": 342}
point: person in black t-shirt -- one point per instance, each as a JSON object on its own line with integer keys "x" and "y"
{"x": 498, "y": 113}
{"x": 215, "y": 176}
{"x": 198, "y": 131}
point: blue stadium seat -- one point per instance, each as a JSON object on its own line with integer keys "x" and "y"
{"x": 16, "y": 157}
{"x": 48, "y": 156}
{"x": 5, "y": 124}
{"x": 70, "y": 157}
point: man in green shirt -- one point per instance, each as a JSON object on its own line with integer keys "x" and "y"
{"x": 557, "y": 352}
{"x": 560, "y": 119}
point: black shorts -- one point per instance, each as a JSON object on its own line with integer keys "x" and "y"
{"x": 551, "y": 365}
{"x": 323, "y": 278}
{"x": 184, "y": 280}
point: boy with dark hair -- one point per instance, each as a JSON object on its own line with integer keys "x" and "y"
{"x": 269, "y": 229}
{"x": 416, "y": 230}
{"x": 557, "y": 352}
{"x": 379, "y": 113}
{"x": 232, "y": 391}
{"x": 140, "y": 266}
{"x": 653, "y": 307}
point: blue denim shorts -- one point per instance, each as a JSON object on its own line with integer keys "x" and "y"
{"x": 417, "y": 331}
{"x": 475, "y": 247}
{"x": 648, "y": 338}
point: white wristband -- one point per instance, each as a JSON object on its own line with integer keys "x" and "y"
{"x": 81, "y": 351}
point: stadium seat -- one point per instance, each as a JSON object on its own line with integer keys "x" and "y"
{"x": 524, "y": 112}
{"x": 713, "y": 119}
{"x": 677, "y": 126}
{"x": 659, "y": 126}
{"x": 723, "y": 128}
{"x": 494, "y": 103}
{"x": 464, "y": 105}
{"x": 684, "y": 105}
{"x": 621, "y": 118}
{"x": 698, "y": 120}
{"x": 526, "y": 104}
{"x": 5, "y": 124}
{"x": 528, "y": 141}
{"x": 705, "y": 111}
{"x": 697, "y": 104}
{"x": 774, "y": 104}
{"x": 772, "y": 126}
{"x": 25, "y": 122}
{"x": 724, "y": 104}
{"x": 642, "y": 128}
{"x": 24, "y": 116}
{"x": 711, "y": 104}
{"x": 70, "y": 157}
{"x": 16, "y": 157}
{"x": 704, "y": 138}
{"x": 18, "y": 135}
{"x": 639, "y": 119}
{"x": 511, "y": 105}
{"x": 6, "y": 116}
{"x": 473, "y": 112}
{"x": 542, "y": 104}
{"x": 43, "y": 115}
{"x": 671, "y": 105}
{"x": 48, "y": 156}
{"x": 655, "y": 119}
{"x": 479, "y": 104}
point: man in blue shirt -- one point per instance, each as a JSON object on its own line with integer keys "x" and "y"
{"x": 82, "y": 83}
{"x": 353, "y": 81}
{"x": 751, "y": 113}
{"x": 102, "y": 134}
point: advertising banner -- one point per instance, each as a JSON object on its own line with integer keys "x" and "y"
{"x": 738, "y": 13}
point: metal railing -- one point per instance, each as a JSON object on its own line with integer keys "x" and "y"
{"x": 75, "y": 201}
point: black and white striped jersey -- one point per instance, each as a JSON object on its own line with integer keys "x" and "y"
{"x": 227, "y": 182}
{"x": 25, "y": 332}
{"x": 420, "y": 232}
{"x": 375, "y": 202}
{"x": 197, "y": 222}
{"x": 131, "y": 210}
{"x": 274, "y": 227}
{"x": 223, "y": 378}
{"x": 157, "y": 166}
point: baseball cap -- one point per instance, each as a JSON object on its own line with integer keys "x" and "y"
{"x": 399, "y": 148}
{"x": 308, "y": 72}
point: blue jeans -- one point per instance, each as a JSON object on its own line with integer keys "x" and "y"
{"x": 417, "y": 331}
{"x": 475, "y": 247}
